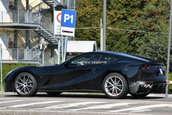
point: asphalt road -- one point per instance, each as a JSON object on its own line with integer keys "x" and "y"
{"x": 77, "y": 104}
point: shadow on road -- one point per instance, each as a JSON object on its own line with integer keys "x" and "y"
{"x": 85, "y": 96}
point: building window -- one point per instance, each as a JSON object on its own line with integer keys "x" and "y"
{"x": 11, "y": 5}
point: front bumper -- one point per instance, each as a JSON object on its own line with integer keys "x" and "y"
{"x": 8, "y": 87}
{"x": 142, "y": 87}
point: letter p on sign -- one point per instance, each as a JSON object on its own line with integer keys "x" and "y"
{"x": 68, "y": 18}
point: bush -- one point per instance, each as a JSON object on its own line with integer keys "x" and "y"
{"x": 170, "y": 85}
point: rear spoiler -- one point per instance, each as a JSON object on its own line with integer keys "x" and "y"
{"x": 155, "y": 62}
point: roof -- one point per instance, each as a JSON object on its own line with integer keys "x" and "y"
{"x": 126, "y": 55}
{"x": 81, "y": 46}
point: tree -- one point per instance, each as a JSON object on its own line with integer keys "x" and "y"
{"x": 139, "y": 27}
{"x": 88, "y": 15}
{"x": 152, "y": 42}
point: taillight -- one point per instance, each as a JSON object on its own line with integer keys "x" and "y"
{"x": 145, "y": 67}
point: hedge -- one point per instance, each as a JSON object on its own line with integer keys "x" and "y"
{"x": 170, "y": 85}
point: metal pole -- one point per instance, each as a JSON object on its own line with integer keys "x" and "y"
{"x": 65, "y": 48}
{"x": 43, "y": 52}
{"x": 74, "y": 4}
{"x": 2, "y": 16}
{"x": 53, "y": 19}
{"x": 59, "y": 45}
{"x": 62, "y": 48}
{"x": 101, "y": 35}
{"x": 104, "y": 24}
{"x": 43, "y": 57}
{"x": 1, "y": 65}
{"x": 1, "y": 76}
{"x": 169, "y": 44}
{"x": 17, "y": 52}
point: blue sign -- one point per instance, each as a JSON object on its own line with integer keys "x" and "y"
{"x": 68, "y": 18}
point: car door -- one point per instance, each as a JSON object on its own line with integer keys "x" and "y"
{"x": 78, "y": 72}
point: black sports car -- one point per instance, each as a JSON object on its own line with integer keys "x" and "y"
{"x": 115, "y": 74}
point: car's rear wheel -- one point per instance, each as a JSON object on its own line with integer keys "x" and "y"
{"x": 25, "y": 84}
{"x": 140, "y": 95}
{"x": 115, "y": 86}
{"x": 54, "y": 93}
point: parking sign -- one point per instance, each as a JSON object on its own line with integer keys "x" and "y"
{"x": 68, "y": 18}
{"x": 68, "y": 21}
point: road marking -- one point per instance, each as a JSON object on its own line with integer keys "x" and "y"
{"x": 71, "y": 105}
{"x": 156, "y": 95}
{"x": 56, "y": 112}
{"x": 2, "y": 108}
{"x": 36, "y": 103}
{"x": 106, "y": 106}
{"x": 142, "y": 108}
{"x": 3, "y": 102}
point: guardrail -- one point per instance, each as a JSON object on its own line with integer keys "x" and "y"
{"x": 16, "y": 54}
{"x": 26, "y": 17}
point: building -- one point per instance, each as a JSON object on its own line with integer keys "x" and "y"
{"x": 26, "y": 30}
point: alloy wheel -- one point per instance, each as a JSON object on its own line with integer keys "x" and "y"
{"x": 114, "y": 85}
{"x": 25, "y": 84}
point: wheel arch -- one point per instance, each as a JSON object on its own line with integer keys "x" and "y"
{"x": 17, "y": 73}
{"x": 114, "y": 71}
{"x": 123, "y": 92}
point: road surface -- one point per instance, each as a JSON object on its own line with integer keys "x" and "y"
{"x": 85, "y": 104}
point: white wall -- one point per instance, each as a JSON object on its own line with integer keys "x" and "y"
{"x": 4, "y": 44}
{"x": 3, "y": 5}
{"x": 4, "y": 17}
{"x": 4, "y": 12}
{"x": 4, "y": 41}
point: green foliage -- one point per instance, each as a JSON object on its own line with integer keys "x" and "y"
{"x": 140, "y": 27}
{"x": 152, "y": 43}
{"x": 8, "y": 67}
{"x": 88, "y": 15}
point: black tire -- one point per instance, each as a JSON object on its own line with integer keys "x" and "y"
{"x": 53, "y": 93}
{"x": 25, "y": 84}
{"x": 139, "y": 95}
{"x": 117, "y": 90}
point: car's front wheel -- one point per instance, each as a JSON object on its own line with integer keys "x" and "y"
{"x": 115, "y": 86}
{"x": 25, "y": 84}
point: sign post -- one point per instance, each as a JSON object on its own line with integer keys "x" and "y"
{"x": 104, "y": 24}
{"x": 1, "y": 66}
{"x": 68, "y": 21}
{"x": 64, "y": 25}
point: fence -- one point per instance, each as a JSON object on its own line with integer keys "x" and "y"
{"x": 16, "y": 54}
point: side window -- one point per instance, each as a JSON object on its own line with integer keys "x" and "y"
{"x": 107, "y": 58}
{"x": 87, "y": 59}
